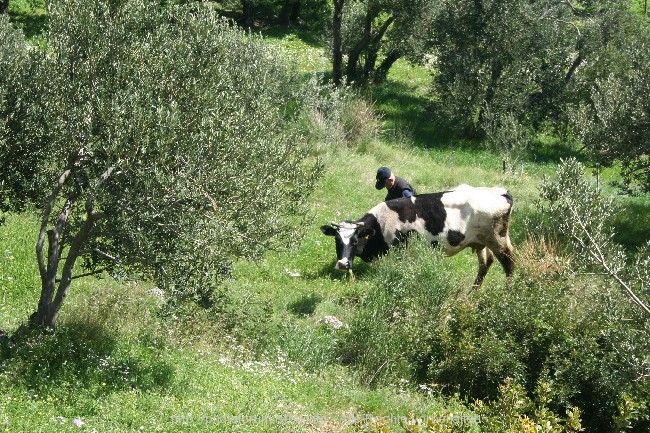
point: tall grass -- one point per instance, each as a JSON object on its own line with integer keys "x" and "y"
{"x": 19, "y": 278}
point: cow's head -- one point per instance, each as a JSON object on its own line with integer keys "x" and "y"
{"x": 351, "y": 241}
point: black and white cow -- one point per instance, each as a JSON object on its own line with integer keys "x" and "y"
{"x": 463, "y": 217}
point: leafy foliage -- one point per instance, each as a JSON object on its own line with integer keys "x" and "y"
{"x": 509, "y": 57}
{"x": 157, "y": 142}
{"x": 584, "y": 217}
{"x": 514, "y": 411}
{"x": 613, "y": 120}
{"x": 13, "y": 63}
{"x": 376, "y": 33}
{"x": 388, "y": 338}
{"x": 508, "y": 69}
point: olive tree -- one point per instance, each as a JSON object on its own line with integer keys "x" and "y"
{"x": 613, "y": 119}
{"x": 515, "y": 59}
{"x": 13, "y": 63}
{"x": 156, "y": 143}
{"x": 500, "y": 56}
{"x": 374, "y": 34}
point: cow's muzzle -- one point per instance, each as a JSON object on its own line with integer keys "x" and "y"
{"x": 343, "y": 265}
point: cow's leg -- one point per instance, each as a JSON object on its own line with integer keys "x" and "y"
{"x": 485, "y": 259}
{"x": 505, "y": 256}
{"x": 501, "y": 246}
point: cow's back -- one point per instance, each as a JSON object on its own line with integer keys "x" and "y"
{"x": 465, "y": 210}
{"x": 492, "y": 201}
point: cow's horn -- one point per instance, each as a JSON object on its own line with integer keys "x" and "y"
{"x": 335, "y": 225}
{"x": 360, "y": 224}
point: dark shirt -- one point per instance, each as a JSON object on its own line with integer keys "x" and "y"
{"x": 401, "y": 189}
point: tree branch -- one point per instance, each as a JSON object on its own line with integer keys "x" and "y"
{"x": 600, "y": 258}
{"x": 101, "y": 253}
{"x": 86, "y": 274}
{"x": 49, "y": 206}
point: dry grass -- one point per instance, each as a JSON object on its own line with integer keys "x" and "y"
{"x": 540, "y": 256}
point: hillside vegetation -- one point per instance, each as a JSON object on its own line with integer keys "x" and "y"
{"x": 291, "y": 345}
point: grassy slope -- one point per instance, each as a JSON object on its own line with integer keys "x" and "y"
{"x": 115, "y": 365}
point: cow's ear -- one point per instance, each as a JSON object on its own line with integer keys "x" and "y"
{"x": 328, "y": 230}
{"x": 366, "y": 232}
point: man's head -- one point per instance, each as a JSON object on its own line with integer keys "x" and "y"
{"x": 385, "y": 178}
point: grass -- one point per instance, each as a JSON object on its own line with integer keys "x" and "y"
{"x": 115, "y": 365}
{"x": 31, "y": 16}
{"x": 19, "y": 275}
{"x": 269, "y": 361}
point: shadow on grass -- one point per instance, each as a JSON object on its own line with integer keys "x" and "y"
{"x": 406, "y": 113}
{"x": 416, "y": 118}
{"x": 304, "y": 34}
{"x": 33, "y": 24}
{"x": 305, "y": 305}
{"x": 82, "y": 356}
{"x": 631, "y": 225}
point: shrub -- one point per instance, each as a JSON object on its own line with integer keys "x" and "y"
{"x": 578, "y": 211}
{"x": 389, "y": 337}
{"x": 514, "y": 411}
{"x": 339, "y": 116}
{"x": 563, "y": 333}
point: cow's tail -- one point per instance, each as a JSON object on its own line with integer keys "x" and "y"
{"x": 509, "y": 199}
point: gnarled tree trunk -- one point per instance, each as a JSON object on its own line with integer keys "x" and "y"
{"x": 49, "y": 254}
{"x": 337, "y": 43}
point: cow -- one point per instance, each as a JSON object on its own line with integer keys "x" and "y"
{"x": 466, "y": 216}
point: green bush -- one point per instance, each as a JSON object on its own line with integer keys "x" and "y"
{"x": 497, "y": 333}
{"x": 574, "y": 334}
{"x": 389, "y": 338}
{"x": 13, "y": 63}
{"x": 513, "y": 411}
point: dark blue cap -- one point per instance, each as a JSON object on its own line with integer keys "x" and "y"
{"x": 383, "y": 173}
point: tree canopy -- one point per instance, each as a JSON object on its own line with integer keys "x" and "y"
{"x": 613, "y": 119}
{"x": 155, "y": 143}
{"x": 508, "y": 69}
{"x": 374, "y": 34}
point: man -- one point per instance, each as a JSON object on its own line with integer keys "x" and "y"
{"x": 396, "y": 186}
